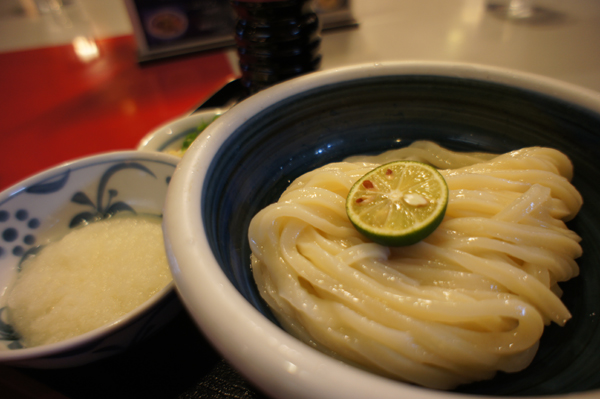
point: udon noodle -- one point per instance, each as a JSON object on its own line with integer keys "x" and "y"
{"x": 469, "y": 300}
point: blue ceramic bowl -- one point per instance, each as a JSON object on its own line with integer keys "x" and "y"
{"x": 47, "y": 206}
{"x": 250, "y": 155}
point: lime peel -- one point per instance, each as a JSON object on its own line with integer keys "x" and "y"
{"x": 399, "y": 203}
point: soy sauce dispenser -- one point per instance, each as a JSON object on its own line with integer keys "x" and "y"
{"x": 276, "y": 40}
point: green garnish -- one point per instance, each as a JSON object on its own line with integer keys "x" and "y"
{"x": 190, "y": 137}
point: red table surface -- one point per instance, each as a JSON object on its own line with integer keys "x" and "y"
{"x": 56, "y": 107}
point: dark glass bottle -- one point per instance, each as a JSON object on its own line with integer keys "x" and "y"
{"x": 276, "y": 41}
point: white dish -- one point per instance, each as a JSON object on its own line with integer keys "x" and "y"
{"x": 169, "y": 137}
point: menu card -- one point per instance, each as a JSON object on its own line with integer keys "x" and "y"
{"x": 166, "y": 28}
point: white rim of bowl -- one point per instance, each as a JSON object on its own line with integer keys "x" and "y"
{"x": 295, "y": 370}
{"x": 39, "y": 352}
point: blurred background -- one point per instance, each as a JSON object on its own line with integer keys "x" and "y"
{"x": 85, "y": 76}
{"x": 79, "y": 77}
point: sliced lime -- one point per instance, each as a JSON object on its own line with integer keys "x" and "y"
{"x": 399, "y": 203}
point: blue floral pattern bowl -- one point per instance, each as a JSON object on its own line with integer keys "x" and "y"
{"x": 46, "y": 207}
{"x": 247, "y": 157}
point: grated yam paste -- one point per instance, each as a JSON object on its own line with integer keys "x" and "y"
{"x": 89, "y": 278}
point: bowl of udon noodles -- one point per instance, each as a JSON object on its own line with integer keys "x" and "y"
{"x": 83, "y": 269}
{"x": 500, "y": 300}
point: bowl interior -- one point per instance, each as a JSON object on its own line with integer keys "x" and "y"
{"x": 47, "y": 206}
{"x": 374, "y": 114}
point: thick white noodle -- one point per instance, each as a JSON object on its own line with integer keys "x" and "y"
{"x": 469, "y": 300}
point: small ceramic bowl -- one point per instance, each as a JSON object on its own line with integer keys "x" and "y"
{"x": 170, "y": 136}
{"x": 46, "y": 207}
{"x": 246, "y": 158}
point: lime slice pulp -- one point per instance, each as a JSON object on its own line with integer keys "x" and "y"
{"x": 399, "y": 203}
